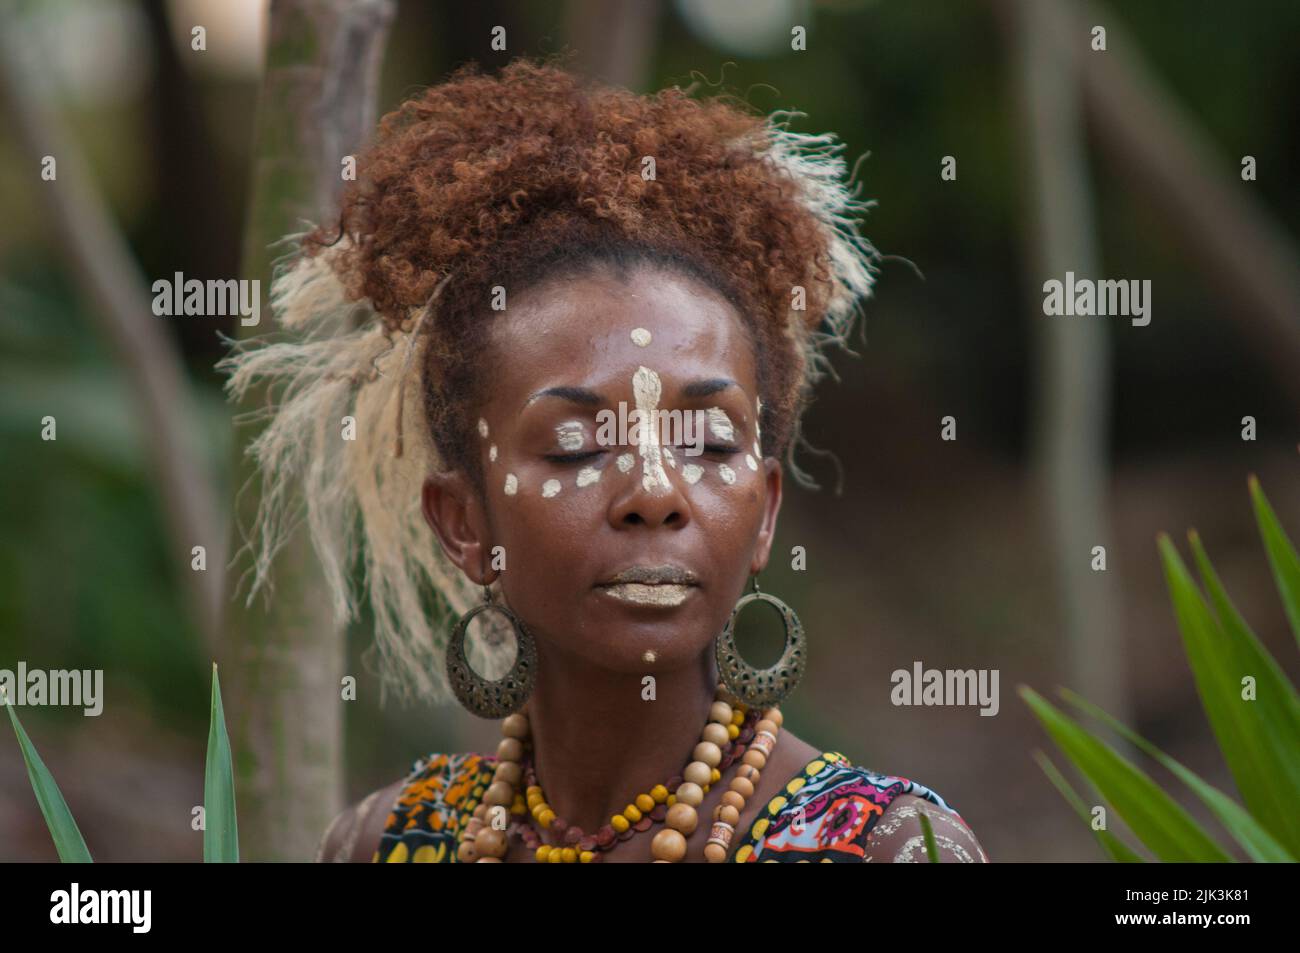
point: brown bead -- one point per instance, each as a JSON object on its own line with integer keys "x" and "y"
{"x": 774, "y": 715}
{"x": 770, "y": 727}
{"x": 674, "y": 782}
{"x": 606, "y": 836}
{"x": 668, "y": 846}
{"x": 734, "y": 800}
{"x": 466, "y": 853}
{"x": 660, "y": 810}
{"x": 742, "y": 786}
{"x": 510, "y": 749}
{"x": 627, "y": 834}
{"x": 749, "y": 773}
{"x": 755, "y": 758}
{"x": 499, "y": 792}
{"x": 573, "y": 837}
{"x": 683, "y": 817}
{"x": 508, "y": 771}
{"x": 588, "y": 843}
{"x": 727, "y": 813}
{"x": 490, "y": 842}
{"x": 715, "y": 853}
{"x": 644, "y": 824}
{"x": 515, "y": 726}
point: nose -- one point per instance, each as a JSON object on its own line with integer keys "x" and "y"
{"x": 651, "y": 496}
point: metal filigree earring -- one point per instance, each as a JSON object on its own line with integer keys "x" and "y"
{"x": 506, "y": 695}
{"x": 762, "y": 688}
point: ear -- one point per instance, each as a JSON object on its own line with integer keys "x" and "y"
{"x": 772, "y": 506}
{"x": 455, "y": 513}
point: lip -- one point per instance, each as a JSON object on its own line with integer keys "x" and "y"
{"x": 662, "y": 594}
{"x": 661, "y": 575}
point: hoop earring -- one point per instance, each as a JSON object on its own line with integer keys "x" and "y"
{"x": 480, "y": 696}
{"x": 762, "y": 688}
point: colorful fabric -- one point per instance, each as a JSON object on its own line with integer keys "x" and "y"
{"x": 824, "y": 815}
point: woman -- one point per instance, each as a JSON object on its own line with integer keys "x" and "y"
{"x": 563, "y": 338}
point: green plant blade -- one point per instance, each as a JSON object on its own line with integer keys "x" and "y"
{"x": 63, "y": 828}
{"x": 927, "y": 832}
{"x": 1153, "y": 816}
{"x": 1251, "y": 734}
{"x": 1119, "y": 851}
{"x": 220, "y": 833}
{"x": 1253, "y": 838}
{"x": 1281, "y": 555}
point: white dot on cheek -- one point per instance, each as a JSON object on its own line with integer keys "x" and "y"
{"x": 640, "y": 337}
{"x": 691, "y": 473}
{"x": 492, "y": 453}
{"x": 728, "y": 475}
{"x": 625, "y": 462}
{"x": 512, "y": 484}
{"x": 550, "y": 488}
{"x": 482, "y": 427}
{"x": 751, "y": 462}
{"x": 588, "y": 476}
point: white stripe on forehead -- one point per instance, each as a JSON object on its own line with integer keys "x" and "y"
{"x": 648, "y": 389}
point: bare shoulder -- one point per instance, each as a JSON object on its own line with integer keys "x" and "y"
{"x": 353, "y": 835}
{"x": 898, "y": 837}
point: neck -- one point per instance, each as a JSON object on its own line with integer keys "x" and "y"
{"x": 597, "y": 743}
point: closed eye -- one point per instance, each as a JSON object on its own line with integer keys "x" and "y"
{"x": 572, "y": 457}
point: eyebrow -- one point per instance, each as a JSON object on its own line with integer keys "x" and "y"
{"x": 703, "y": 387}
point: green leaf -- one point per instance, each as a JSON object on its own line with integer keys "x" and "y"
{"x": 220, "y": 834}
{"x": 63, "y": 828}
{"x": 931, "y": 849}
{"x": 1281, "y": 555}
{"x": 1112, "y": 845}
{"x": 1157, "y": 820}
{"x": 1252, "y": 735}
{"x": 1253, "y": 838}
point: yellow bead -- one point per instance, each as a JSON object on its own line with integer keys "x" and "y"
{"x": 672, "y": 799}
{"x": 570, "y": 855}
{"x": 556, "y": 856}
{"x": 619, "y": 823}
{"x": 737, "y": 717}
{"x": 733, "y": 731}
{"x": 632, "y": 813}
{"x": 659, "y": 793}
{"x": 715, "y": 775}
{"x": 546, "y": 818}
{"x": 585, "y": 856}
{"x": 645, "y": 803}
{"x": 543, "y": 854}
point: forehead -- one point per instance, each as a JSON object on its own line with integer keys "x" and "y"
{"x": 579, "y": 331}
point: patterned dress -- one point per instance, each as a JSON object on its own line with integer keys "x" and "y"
{"x": 824, "y": 814}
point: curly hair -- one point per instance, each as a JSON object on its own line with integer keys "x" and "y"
{"x": 510, "y": 179}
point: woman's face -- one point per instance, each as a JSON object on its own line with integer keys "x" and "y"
{"x": 574, "y": 502}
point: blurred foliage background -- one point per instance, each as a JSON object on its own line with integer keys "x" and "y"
{"x": 933, "y": 551}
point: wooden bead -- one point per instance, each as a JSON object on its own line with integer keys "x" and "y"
{"x": 755, "y": 759}
{"x": 749, "y": 773}
{"x": 774, "y": 715}
{"x": 499, "y": 792}
{"x": 508, "y": 771}
{"x": 734, "y": 799}
{"x": 690, "y": 793}
{"x": 515, "y": 726}
{"x": 697, "y": 772}
{"x": 715, "y": 734}
{"x": 668, "y": 845}
{"x": 510, "y": 749}
{"x": 466, "y": 853}
{"x": 743, "y": 786}
{"x": 682, "y": 817}
{"x": 728, "y": 814}
{"x": 489, "y": 860}
{"x": 715, "y": 853}
{"x": 721, "y": 713}
{"x": 709, "y": 753}
{"x": 767, "y": 725}
{"x": 490, "y": 842}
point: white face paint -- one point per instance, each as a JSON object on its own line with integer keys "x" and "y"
{"x": 492, "y": 453}
{"x": 750, "y": 461}
{"x": 550, "y": 488}
{"x": 571, "y": 435}
{"x": 720, "y": 424}
{"x": 758, "y": 451}
{"x": 668, "y": 455}
{"x": 640, "y": 337}
{"x": 728, "y": 475}
{"x": 625, "y": 461}
{"x": 758, "y": 426}
{"x": 588, "y": 476}
{"x": 648, "y": 389}
{"x": 482, "y": 427}
{"x": 512, "y": 484}
{"x": 691, "y": 473}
